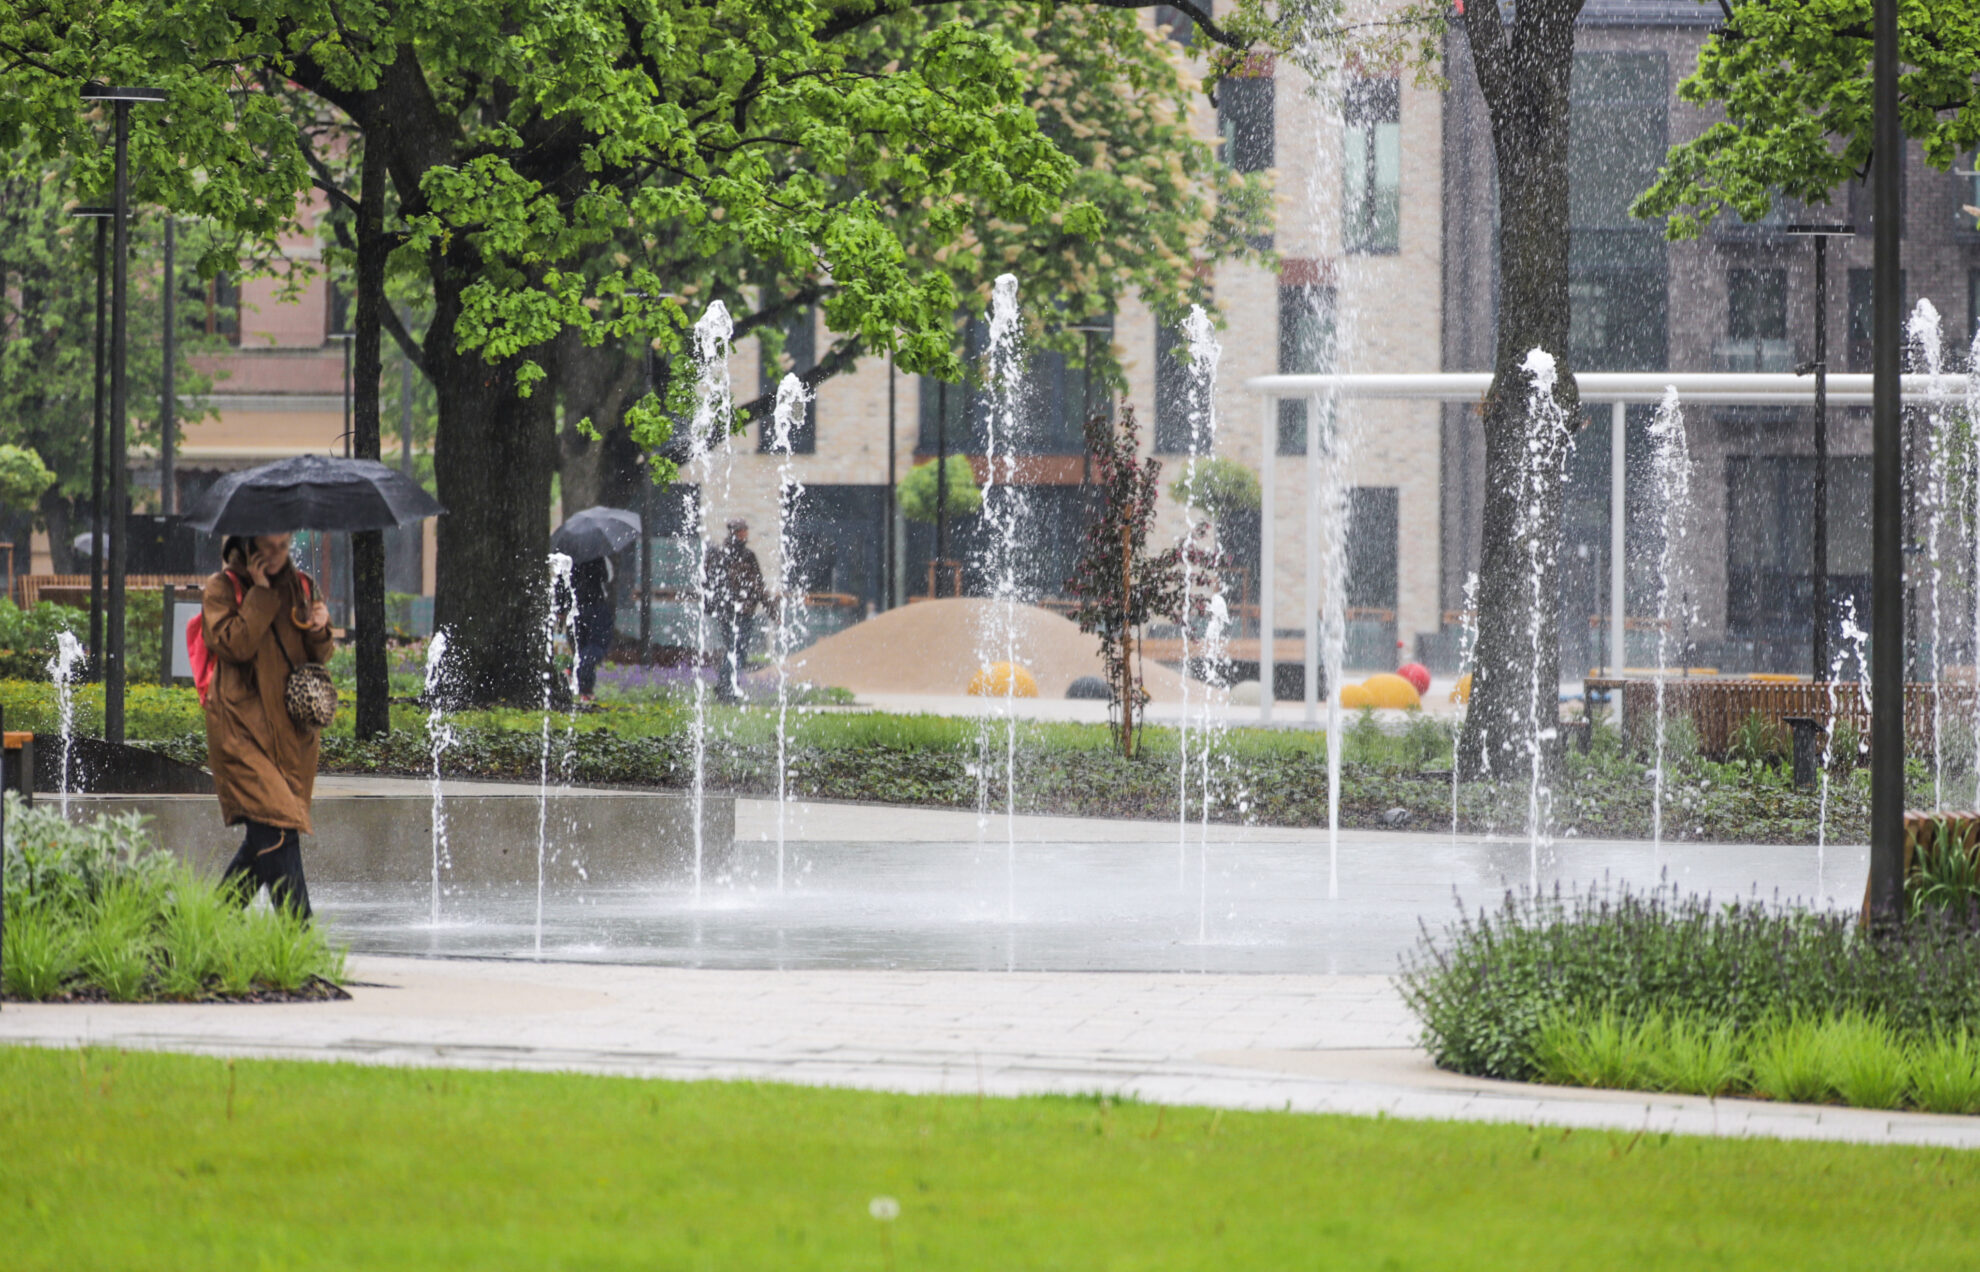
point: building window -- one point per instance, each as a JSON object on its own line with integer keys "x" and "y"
{"x": 338, "y": 321}
{"x": 1862, "y": 317}
{"x": 1172, "y": 389}
{"x": 1244, "y": 122}
{"x": 1371, "y": 205}
{"x": 800, "y": 355}
{"x": 1756, "y": 322}
{"x": 223, "y": 308}
{"x": 1175, "y": 24}
{"x": 1306, "y": 347}
{"x": 1968, "y": 175}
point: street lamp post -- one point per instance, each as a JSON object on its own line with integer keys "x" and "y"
{"x": 1820, "y": 367}
{"x": 101, "y": 215}
{"x": 113, "y": 660}
{"x": 1886, "y": 892}
{"x": 168, "y": 401}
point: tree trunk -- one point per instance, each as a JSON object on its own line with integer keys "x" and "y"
{"x": 374, "y": 705}
{"x": 59, "y": 516}
{"x": 597, "y": 384}
{"x": 493, "y": 454}
{"x": 1523, "y": 72}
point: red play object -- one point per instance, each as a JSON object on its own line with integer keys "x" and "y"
{"x": 1417, "y": 674}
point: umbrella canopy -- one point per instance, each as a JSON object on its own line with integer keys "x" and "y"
{"x": 596, "y": 532}
{"x": 313, "y": 492}
{"x": 85, "y": 543}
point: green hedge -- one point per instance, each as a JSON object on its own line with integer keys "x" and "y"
{"x": 1486, "y": 989}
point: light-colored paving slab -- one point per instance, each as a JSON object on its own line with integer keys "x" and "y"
{"x": 1332, "y": 1044}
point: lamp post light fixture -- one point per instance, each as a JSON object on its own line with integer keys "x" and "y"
{"x": 101, "y": 215}
{"x": 121, "y": 100}
{"x": 1820, "y": 367}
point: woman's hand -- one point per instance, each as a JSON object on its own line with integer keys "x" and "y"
{"x": 257, "y": 572}
{"x": 319, "y": 616}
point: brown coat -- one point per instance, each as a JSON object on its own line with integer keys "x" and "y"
{"x": 264, "y": 764}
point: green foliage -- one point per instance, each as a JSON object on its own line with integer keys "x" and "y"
{"x": 917, "y": 494}
{"x": 1756, "y": 740}
{"x": 1945, "y": 1073}
{"x": 1484, "y": 989}
{"x": 98, "y": 907}
{"x": 1945, "y": 872}
{"x": 1217, "y": 487}
{"x": 22, "y": 476}
{"x": 1793, "y": 80}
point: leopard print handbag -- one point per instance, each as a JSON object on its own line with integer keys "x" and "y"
{"x": 311, "y": 696}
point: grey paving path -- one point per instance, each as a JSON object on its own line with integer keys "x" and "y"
{"x": 1338, "y": 1044}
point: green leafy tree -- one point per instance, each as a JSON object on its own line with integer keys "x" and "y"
{"x": 1217, "y": 487}
{"x": 585, "y": 167}
{"x": 919, "y": 496}
{"x": 47, "y": 343}
{"x": 1793, "y": 78}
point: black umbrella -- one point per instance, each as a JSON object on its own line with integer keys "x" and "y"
{"x": 596, "y": 532}
{"x": 312, "y": 492}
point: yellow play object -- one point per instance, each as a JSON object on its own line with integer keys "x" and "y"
{"x": 996, "y": 681}
{"x": 1383, "y": 690}
{"x": 1462, "y": 691}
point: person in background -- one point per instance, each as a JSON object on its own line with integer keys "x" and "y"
{"x": 263, "y": 619}
{"x": 597, "y": 613}
{"x": 735, "y": 592}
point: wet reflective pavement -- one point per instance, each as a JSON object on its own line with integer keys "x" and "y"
{"x": 1256, "y": 905}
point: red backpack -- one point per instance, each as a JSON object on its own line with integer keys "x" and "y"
{"x": 204, "y": 665}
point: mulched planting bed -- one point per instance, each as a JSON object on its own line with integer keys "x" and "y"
{"x": 315, "y": 990}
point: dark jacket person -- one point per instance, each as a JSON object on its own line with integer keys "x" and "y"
{"x": 263, "y": 762}
{"x": 735, "y": 592}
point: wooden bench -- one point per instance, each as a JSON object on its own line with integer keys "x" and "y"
{"x": 17, "y": 770}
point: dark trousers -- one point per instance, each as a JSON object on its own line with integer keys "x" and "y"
{"x": 594, "y": 641}
{"x": 270, "y": 857}
{"x": 735, "y": 634}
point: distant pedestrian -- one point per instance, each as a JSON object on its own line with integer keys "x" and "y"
{"x": 597, "y": 614}
{"x": 735, "y": 592}
{"x": 262, "y": 619}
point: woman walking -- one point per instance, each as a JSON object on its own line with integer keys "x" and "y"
{"x": 263, "y": 620}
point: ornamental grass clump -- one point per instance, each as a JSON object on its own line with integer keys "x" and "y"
{"x": 96, "y": 910}
{"x": 1485, "y": 987}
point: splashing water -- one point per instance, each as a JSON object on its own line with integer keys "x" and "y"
{"x": 558, "y": 586}
{"x": 714, "y": 405}
{"x": 1829, "y": 742}
{"x": 1003, "y": 513}
{"x": 1204, "y": 354}
{"x": 68, "y": 655}
{"x": 792, "y": 398}
{"x": 1546, "y": 461}
{"x": 439, "y": 737}
{"x": 1671, "y": 462}
{"x": 1467, "y": 646}
{"x": 1922, "y": 333}
{"x": 1972, "y": 513}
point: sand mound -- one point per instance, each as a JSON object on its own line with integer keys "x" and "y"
{"x": 930, "y": 647}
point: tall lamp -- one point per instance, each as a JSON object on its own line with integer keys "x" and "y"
{"x": 113, "y": 659}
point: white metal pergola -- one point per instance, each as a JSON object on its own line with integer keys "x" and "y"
{"x": 1618, "y": 388}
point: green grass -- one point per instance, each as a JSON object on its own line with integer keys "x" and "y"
{"x": 137, "y": 1161}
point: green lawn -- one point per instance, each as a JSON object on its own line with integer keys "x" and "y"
{"x": 134, "y": 1161}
